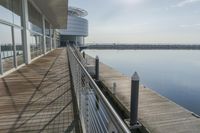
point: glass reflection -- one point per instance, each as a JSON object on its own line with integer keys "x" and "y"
{"x": 57, "y": 43}
{"x": 54, "y": 43}
{"x": 48, "y": 44}
{"x": 6, "y": 10}
{"x": 19, "y": 46}
{"x": 36, "y": 44}
{"x": 6, "y": 47}
{"x": 47, "y": 29}
{"x": 35, "y": 26}
{"x": 17, "y": 11}
{"x": 35, "y": 19}
{"x": 11, "y": 11}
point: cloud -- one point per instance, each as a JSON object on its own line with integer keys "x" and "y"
{"x": 185, "y": 2}
{"x": 128, "y": 3}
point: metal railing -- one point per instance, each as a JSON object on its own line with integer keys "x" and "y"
{"x": 79, "y": 56}
{"x": 96, "y": 113}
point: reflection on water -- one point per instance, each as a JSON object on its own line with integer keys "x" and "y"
{"x": 174, "y": 74}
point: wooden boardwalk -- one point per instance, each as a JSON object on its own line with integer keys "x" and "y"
{"x": 156, "y": 113}
{"x": 38, "y": 97}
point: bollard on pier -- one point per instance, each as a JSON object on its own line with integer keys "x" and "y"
{"x": 83, "y": 54}
{"x": 134, "y": 100}
{"x": 114, "y": 88}
{"x": 97, "y": 68}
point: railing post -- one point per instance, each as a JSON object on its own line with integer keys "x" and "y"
{"x": 134, "y": 99}
{"x": 87, "y": 111}
{"x": 1, "y": 63}
{"x": 83, "y": 54}
{"x": 78, "y": 84}
{"x": 114, "y": 88}
{"x": 97, "y": 67}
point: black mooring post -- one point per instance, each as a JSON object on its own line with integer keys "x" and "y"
{"x": 83, "y": 54}
{"x": 134, "y": 99}
{"x": 97, "y": 67}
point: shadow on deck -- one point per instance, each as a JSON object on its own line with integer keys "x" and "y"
{"x": 38, "y": 97}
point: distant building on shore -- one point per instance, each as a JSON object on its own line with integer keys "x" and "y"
{"x": 77, "y": 27}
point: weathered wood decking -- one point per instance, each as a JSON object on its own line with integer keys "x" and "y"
{"x": 38, "y": 97}
{"x": 157, "y": 113}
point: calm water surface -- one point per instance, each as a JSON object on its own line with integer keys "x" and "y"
{"x": 174, "y": 74}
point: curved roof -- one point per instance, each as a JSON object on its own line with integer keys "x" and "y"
{"x": 74, "y": 11}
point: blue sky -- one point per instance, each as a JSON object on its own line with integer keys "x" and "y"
{"x": 142, "y": 21}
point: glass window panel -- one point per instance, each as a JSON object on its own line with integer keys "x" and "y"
{"x": 39, "y": 42}
{"x": 47, "y": 29}
{"x": 32, "y": 45}
{"x": 17, "y": 11}
{"x": 36, "y": 45}
{"x": 35, "y": 19}
{"x": 57, "y": 43}
{"x": 6, "y": 10}
{"x": 6, "y": 47}
{"x": 48, "y": 44}
{"x": 53, "y": 43}
{"x": 19, "y": 46}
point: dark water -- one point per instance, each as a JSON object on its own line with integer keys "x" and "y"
{"x": 174, "y": 74}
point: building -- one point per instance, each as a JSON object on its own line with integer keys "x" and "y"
{"x": 77, "y": 27}
{"x": 28, "y": 30}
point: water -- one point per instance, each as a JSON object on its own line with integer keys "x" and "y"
{"x": 9, "y": 53}
{"x": 174, "y": 74}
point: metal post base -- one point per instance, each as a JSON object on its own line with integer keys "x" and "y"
{"x": 133, "y": 127}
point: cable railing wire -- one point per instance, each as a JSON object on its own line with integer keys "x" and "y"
{"x": 96, "y": 113}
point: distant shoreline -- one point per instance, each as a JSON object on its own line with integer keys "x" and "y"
{"x": 142, "y": 47}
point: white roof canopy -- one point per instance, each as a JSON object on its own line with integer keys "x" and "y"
{"x": 55, "y": 11}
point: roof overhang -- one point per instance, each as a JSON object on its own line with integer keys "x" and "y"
{"x": 55, "y": 11}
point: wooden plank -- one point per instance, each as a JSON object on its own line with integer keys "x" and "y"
{"x": 32, "y": 97}
{"x": 157, "y": 113}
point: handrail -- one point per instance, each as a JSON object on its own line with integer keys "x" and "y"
{"x": 119, "y": 125}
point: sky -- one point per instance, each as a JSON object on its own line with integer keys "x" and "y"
{"x": 142, "y": 21}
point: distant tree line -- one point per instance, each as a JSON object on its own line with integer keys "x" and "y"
{"x": 143, "y": 46}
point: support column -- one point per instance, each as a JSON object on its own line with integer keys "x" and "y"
{"x": 53, "y": 39}
{"x": 1, "y": 63}
{"x": 44, "y": 35}
{"x": 14, "y": 48}
{"x": 26, "y": 33}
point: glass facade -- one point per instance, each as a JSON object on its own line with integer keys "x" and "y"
{"x": 35, "y": 19}
{"x": 6, "y": 48}
{"x": 6, "y": 13}
{"x": 17, "y": 12}
{"x": 11, "y": 34}
{"x": 19, "y": 46}
{"x": 47, "y": 29}
{"x": 35, "y": 28}
{"x": 57, "y": 43}
{"x": 11, "y": 11}
{"x": 36, "y": 41}
{"x": 48, "y": 36}
{"x": 48, "y": 43}
{"x": 53, "y": 43}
